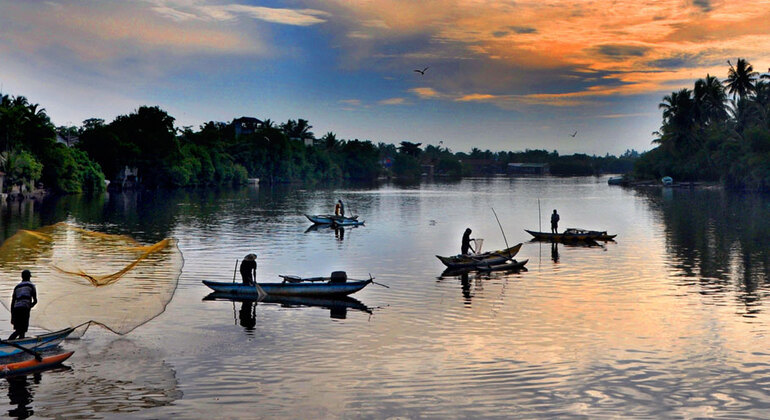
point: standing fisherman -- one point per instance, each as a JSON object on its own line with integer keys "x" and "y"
{"x": 24, "y": 298}
{"x": 465, "y": 246}
{"x": 249, "y": 269}
{"x": 554, "y": 222}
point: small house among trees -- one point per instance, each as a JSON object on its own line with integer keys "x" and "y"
{"x": 246, "y": 125}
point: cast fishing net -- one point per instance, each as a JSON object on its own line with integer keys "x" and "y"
{"x": 84, "y": 277}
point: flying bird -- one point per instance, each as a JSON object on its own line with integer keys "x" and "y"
{"x": 574, "y": 134}
{"x": 422, "y": 72}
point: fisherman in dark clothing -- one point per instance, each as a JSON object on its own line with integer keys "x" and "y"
{"x": 249, "y": 269}
{"x": 24, "y": 298}
{"x": 466, "y": 243}
{"x": 554, "y": 222}
{"x": 342, "y": 208}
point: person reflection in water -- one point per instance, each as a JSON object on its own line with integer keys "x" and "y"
{"x": 247, "y": 315}
{"x": 20, "y": 394}
{"x": 339, "y": 233}
{"x": 249, "y": 269}
{"x": 466, "y": 284}
{"x": 555, "y": 252}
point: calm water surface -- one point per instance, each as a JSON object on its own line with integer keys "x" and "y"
{"x": 668, "y": 321}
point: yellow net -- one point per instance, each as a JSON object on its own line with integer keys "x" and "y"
{"x": 83, "y": 276}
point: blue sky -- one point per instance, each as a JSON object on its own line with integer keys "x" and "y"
{"x": 503, "y": 75}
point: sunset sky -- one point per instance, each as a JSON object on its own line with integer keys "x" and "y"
{"x": 503, "y": 75}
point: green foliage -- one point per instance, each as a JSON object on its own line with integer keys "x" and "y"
{"x": 70, "y": 170}
{"x": 406, "y": 166}
{"x": 700, "y": 140}
{"x": 21, "y": 168}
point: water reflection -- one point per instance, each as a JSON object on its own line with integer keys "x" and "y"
{"x": 338, "y": 306}
{"x": 20, "y": 395}
{"x": 718, "y": 241}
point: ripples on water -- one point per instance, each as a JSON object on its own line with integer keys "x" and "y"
{"x": 669, "y": 321}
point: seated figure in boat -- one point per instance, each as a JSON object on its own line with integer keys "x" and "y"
{"x": 249, "y": 269}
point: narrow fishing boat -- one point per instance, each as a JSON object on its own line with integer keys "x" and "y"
{"x": 37, "y": 342}
{"x": 33, "y": 365}
{"x": 510, "y": 266}
{"x": 572, "y": 234}
{"x": 485, "y": 258}
{"x": 327, "y": 219}
{"x": 337, "y": 284}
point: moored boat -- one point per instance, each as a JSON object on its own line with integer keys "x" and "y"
{"x": 572, "y": 234}
{"x": 37, "y": 342}
{"x": 511, "y": 266}
{"x": 33, "y": 365}
{"x": 486, "y": 258}
{"x": 336, "y": 285}
{"x": 327, "y": 219}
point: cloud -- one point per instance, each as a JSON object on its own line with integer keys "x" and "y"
{"x": 425, "y": 92}
{"x": 533, "y": 52}
{"x": 185, "y": 10}
{"x": 621, "y": 52}
{"x": 392, "y": 101}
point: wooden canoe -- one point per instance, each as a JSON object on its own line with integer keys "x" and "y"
{"x": 486, "y": 258}
{"x": 32, "y": 365}
{"x": 572, "y": 235}
{"x": 37, "y": 342}
{"x": 327, "y": 219}
{"x": 290, "y": 289}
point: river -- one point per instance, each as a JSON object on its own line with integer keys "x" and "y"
{"x": 669, "y": 320}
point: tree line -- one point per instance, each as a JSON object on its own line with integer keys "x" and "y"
{"x": 164, "y": 155}
{"x": 717, "y": 131}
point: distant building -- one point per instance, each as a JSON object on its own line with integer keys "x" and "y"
{"x": 67, "y": 140}
{"x": 528, "y": 168}
{"x": 246, "y": 125}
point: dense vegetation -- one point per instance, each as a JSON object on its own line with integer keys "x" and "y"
{"x": 718, "y": 131}
{"x": 29, "y": 152}
{"x": 147, "y": 143}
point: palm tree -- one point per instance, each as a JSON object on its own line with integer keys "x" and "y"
{"x": 740, "y": 79}
{"x": 299, "y": 130}
{"x": 709, "y": 97}
{"x": 409, "y": 148}
{"x": 676, "y": 134}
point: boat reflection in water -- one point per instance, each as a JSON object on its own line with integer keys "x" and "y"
{"x": 338, "y": 306}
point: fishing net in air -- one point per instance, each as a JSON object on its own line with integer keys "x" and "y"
{"x": 83, "y": 276}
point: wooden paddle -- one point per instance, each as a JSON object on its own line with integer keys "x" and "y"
{"x": 37, "y": 355}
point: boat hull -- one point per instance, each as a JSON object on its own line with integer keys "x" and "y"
{"x": 487, "y": 258}
{"x": 327, "y": 219}
{"x": 38, "y": 342}
{"x": 290, "y": 289}
{"x": 567, "y": 237}
{"x": 32, "y": 365}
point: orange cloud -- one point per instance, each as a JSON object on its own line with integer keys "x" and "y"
{"x": 556, "y": 51}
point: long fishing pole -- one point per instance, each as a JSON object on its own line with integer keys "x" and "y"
{"x": 501, "y": 230}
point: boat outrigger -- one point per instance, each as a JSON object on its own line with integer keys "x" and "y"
{"x": 33, "y": 365}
